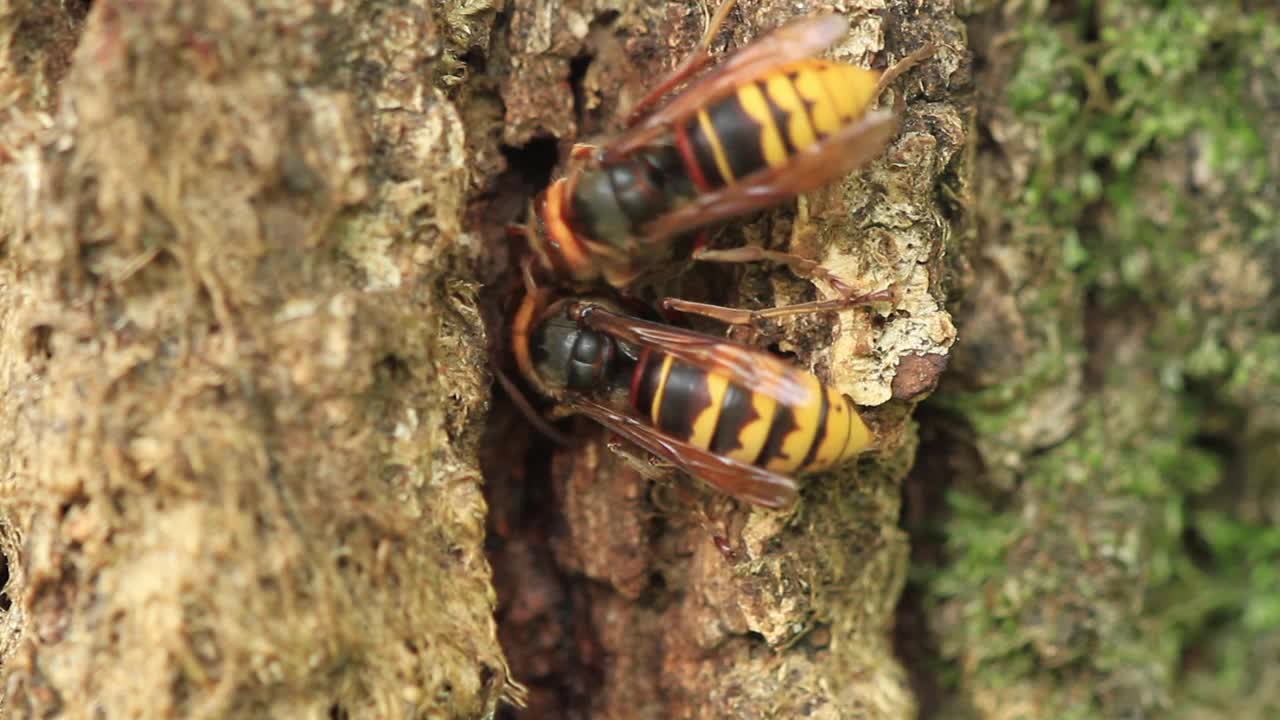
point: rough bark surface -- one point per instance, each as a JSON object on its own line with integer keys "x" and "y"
{"x": 243, "y": 369}
{"x": 244, "y": 397}
{"x": 1106, "y": 435}
{"x": 244, "y": 375}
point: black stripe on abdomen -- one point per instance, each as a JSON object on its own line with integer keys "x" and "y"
{"x": 784, "y": 423}
{"x": 739, "y": 136}
{"x": 820, "y": 434}
{"x": 703, "y": 154}
{"x": 684, "y": 397}
{"x": 649, "y": 376}
{"x": 781, "y": 119}
{"x": 736, "y": 412}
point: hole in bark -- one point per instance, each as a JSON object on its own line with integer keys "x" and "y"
{"x": 543, "y": 615}
{"x": 776, "y": 349}
{"x": 40, "y": 342}
{"x": 1198, "y": 548}
{"x": 506, "y": 201}
{"x": 531, "y": 164}
{"x": 5, "y": 602}
{"x": 1214, "y": 444}
{"x": 337, "y": 712}
{"x": 392, "y": 367}
{"x": 577, "y": 72}
{"x": 657, "y": 583}
{"x": 474, "y": 58}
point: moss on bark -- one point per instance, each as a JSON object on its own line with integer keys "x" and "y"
{"x": 243, "y": 373}
{"x": 1107, "y": 543}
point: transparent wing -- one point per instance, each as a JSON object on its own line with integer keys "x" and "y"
{"x": 796, "y": 40}
{"x": 746, "y": 482}
{"x": 757, "y": 370}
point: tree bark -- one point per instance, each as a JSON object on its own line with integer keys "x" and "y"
{"x": 1096, "y": 483}
{"x": 254, "y": 266}
{"x": 244, "y": 373}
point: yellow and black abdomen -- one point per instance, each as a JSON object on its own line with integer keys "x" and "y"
{"x": 766, "y": 121}
{"x": 703, "y": 408}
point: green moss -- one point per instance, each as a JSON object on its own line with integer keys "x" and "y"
{"x": 1050, "y": 588}
{"x": 1257, "y": 367}
{"x": 1225, "y": 603}
{"x": 1128, "y": 568}
{"x": 1160, "y": 72}
{"x": 997, "y": 410}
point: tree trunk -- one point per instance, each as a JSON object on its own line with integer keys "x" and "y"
{"x": 244, "y": 376}
{"x": 1097, "y": 486}
{"x": 254, "y": 278}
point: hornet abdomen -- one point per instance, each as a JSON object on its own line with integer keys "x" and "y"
{"x": 702, "y": 407}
